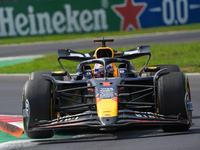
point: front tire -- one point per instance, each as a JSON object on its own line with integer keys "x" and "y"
{"x": 36, "y": 105}
{"x": 173, "y": 90}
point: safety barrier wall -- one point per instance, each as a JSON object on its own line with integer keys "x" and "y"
{"x": 46, "y": 17}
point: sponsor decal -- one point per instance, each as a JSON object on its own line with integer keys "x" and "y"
{"x": 107, "y": 107}
{"x": 106, "y": 93}
{"x": 61, "y": 17}
{"x": 68, "y": 20}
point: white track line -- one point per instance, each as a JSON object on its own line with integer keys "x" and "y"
{"x": 21, "y": 57}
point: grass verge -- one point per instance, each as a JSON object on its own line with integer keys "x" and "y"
{"x": 54, "y": 38}
{"x": 186, "y": 55}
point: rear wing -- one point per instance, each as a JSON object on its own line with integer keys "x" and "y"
{"x": 74, "y": 56}
{"x": 79, "y": 57}
{"x": 135, "y": 53}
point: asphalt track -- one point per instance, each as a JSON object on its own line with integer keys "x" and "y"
{"x": 135, "y": 138}
{"x": 136, "y": 40}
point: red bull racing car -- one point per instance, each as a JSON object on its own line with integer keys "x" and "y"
{"x": 106, "y": 93}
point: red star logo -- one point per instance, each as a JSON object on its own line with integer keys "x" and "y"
{"x": 129, "y": 12}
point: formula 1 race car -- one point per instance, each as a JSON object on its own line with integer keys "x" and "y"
{"x": 106, "y": 93}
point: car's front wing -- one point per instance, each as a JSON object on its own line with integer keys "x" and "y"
{"x": 90, "y": 119}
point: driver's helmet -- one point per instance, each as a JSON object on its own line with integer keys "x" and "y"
{"x": 99, "y": 70}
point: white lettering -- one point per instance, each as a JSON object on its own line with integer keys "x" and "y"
{"x": 31, "y": 17}
{"x": 131, "y": 52}
{"x": 9, "y": 21}
{"x": 184, "y": 17}
{"x": 87, "y": 55}
{"x": 85, "y": 20}
{"x": 168, "y": 18}
{"x": 100, "y": 22}
{"x": 58, "y": 21}
{"x": 138, "y": 115}
{"x": 172, "y": 15}
{"x": 74, "y": 54}
{"x": 72, "y": 19}
{"x": 20, "y": 22}
{"x": 44, "y": 19}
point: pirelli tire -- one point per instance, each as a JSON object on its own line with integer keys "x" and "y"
{"x": 174, "y": 98}
{"x": 36, "y": 105}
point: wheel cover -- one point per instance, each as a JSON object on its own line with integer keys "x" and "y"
{"x": 26, "y": 112}
{"x": 188, "y": 102}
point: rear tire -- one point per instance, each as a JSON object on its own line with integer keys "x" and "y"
{"x": 36, "y": 102}
{"x": 172, "y": 91}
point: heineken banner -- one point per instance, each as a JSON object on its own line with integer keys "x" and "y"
{"x": 47, "y": 17}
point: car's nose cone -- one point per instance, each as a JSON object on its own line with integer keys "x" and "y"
{"x": 107, "y": 121}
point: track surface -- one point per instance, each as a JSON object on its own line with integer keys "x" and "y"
{"x": 137, "y": 40}
{"x": 151, "y": 138}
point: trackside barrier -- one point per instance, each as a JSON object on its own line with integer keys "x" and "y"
{"x": 48, "y": 17}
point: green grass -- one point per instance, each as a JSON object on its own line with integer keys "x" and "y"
{"x": 186, "y": 55}
{"x": 98, "y": 34}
